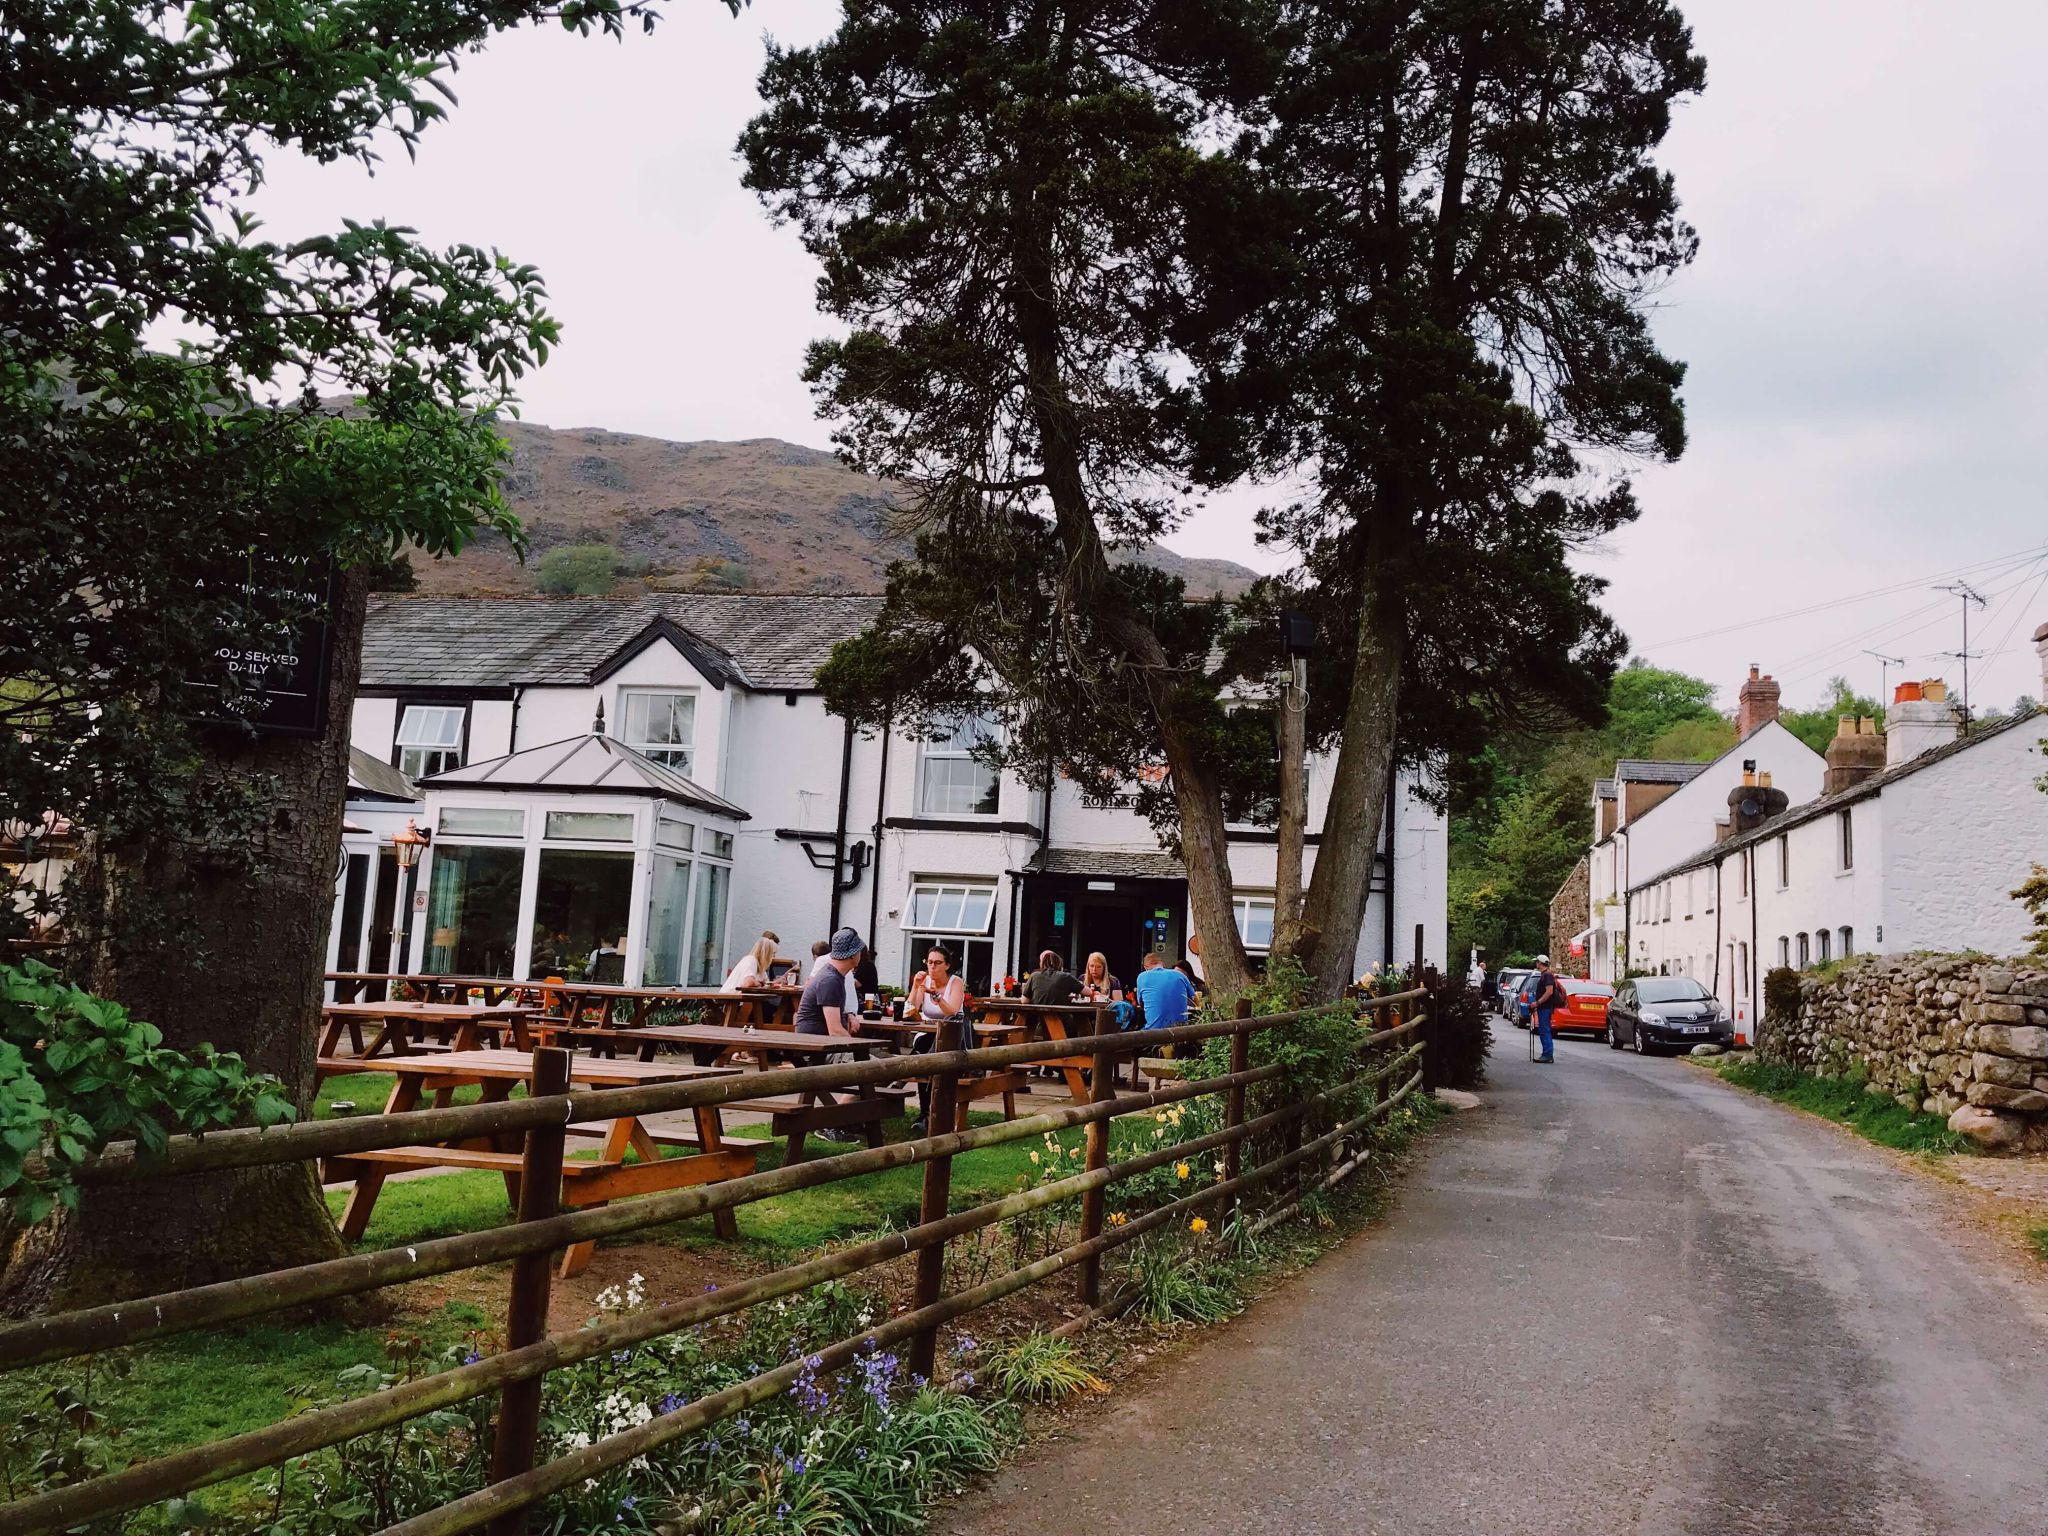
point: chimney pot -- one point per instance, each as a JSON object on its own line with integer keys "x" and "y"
{"x": 1845, "y": 725}
{"x": 1934, "y": 688}
{"x": 1763, "y": 781}
{"x": 1906, "y": 693}
{"x": 1756, "y": 704}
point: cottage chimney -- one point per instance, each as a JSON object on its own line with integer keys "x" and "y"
{"x": 1920, "y": 719}
{"x": 1856, "y": 753}
{"x": 1756, "y": 705}
{"x": 2041, "y": 650}
{"x": 1753, "y": 802}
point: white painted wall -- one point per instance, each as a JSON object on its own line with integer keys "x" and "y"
{"x": 1959, "y": 835}
{"x": 1681, "y": 825}
{"x": 373, "y": 726}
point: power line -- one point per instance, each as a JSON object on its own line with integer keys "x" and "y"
{"x": 1840, "y": 651}
{"x": 1978, "y": 568}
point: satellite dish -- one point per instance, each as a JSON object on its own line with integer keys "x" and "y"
{"x": 1751, "y": 806}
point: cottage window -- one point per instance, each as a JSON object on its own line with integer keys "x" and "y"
{"x": 1784, "y": 861}
{"x": 1742, "y": 877}
{"x": 1848, "y": 942}
{"x": 1742, "y": 970}
{"x": 1846, "y": 835}
{"x": 659, "y": 722}
{"x": 1821, "y": 940}
{"x": 1784, "y": 951}
{"x": 430, "y": 738}
{"x": 954, "y": 781}
{"x": 1805, "y": 951}
{"x": 1255, "y": 921}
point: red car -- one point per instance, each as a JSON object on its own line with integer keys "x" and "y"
{"x": 1585, "y": 1006}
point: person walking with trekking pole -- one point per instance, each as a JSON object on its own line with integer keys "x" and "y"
{"x": 1546, "y": 993}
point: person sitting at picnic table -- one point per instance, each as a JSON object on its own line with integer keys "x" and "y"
{"x": 867, "y": 981}
{"x": 1163, "y": 993}
{"x": 607, "y": 963}
{"x": 1098, "y": 985}
{"x": 936, "y": 995}
{"x": 822, "y": 1009}
{"x": 1052, "y": 984}
{"x": 753, "y": 968}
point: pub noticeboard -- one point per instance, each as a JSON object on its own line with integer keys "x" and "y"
{"x": 270, "y": 664}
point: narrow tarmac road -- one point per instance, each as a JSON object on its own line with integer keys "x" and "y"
{"x": 1620, "y": 1298}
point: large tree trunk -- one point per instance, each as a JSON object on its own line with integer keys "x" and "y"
{"x": 215, "y": 930}
{"x": 1205, "y": 850}
{"x": 1338, "y": 889}
{"x": 1293, "y": 818}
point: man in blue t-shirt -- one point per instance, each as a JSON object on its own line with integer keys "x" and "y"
{"x": 1163, "y": 993}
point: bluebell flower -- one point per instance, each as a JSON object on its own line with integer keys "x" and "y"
{"x": 797, "y": 1467}
{"x": 622, "y": 1357}
{"x": 782, "y": 1511}
{"x": 672, "y": 1402}
{"x": 471, "y": 1358}
{"x": 628, "y": 1502}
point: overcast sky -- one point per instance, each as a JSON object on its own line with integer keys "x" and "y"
{"x": 1866, "y": 324}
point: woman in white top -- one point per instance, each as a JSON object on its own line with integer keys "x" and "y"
{"x": 936, "y": 995}
{"x": 752, "y": 969}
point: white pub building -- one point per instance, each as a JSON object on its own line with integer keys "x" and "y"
{"x": 635, "y": 789}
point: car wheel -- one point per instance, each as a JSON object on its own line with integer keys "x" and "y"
{"x": 1642, "y": 1045}
{"x": 1613, "y": 1038}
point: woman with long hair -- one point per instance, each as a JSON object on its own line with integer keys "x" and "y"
{"x": 1097, "y": 983}
{"x": 752, "y": 968}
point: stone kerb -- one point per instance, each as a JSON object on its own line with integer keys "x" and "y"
{"x": 1954, "y": 1035}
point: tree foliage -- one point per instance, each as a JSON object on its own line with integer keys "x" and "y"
{"x": 1816, "y": 727}
{"x": 1092, "y": 255}
{"x": 581, "y": 570}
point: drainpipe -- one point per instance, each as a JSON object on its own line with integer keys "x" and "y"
{"x": 1387, "y": 941}
{"x": 1628, "y": 911}
{"x": 881, "y": 803}
{"x": 1717, "y": 927}
{"x": 512, "y": 740}
{"x": 1756, "y": 991}
{"x": 839, "y": 829}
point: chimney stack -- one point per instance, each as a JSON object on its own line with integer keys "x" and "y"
{"x": 2041, "y": 650}
{"x": 1756, "y": 706}
{"x": 1856, "y": 753}
{"x": 1920, "y": 719}
{"x": 1753, "y": 802}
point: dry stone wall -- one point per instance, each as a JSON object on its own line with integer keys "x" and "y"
{"x": 1953, "y": 1035}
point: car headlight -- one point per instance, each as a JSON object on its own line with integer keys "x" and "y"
{"x": 1650, "y": 1016}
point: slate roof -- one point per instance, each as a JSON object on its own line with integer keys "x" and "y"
{"x": 762, "y": 641}
{"x": 1645, "y": 771}
{"x": 1605, "y": 789}
{"x": 781, "y": 640}
{"x": 378, "y": 779}
{"x": 1814, "y": 809}
{"x": 1105, "y": 864}
{"x": 585, "y": 764}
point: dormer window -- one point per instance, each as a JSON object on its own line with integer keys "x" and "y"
{"x": 659, "y": 722}
{"x": 430, "y": 738}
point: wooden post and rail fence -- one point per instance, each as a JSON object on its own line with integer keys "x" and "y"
{"x": 1310, "y": 1155}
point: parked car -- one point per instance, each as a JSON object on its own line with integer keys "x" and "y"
{"x": 1667, "y": 1013}
{"x": 1584, "y": 1008}
{"x": 1504, "y": 988}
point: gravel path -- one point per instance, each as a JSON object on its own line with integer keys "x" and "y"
{"x": 1622, "y": 1297}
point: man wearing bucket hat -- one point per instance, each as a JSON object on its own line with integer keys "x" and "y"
{"x": 822, "y": 1008}
{"x": 1546, "y": 992}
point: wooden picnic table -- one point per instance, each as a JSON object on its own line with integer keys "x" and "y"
{"x": 585, "y": 1182}
{"x": 610, "y": 1006}
{"x": 1051, "y": 1021}
{"x": 349, "y": 986}
{"x": 462, "y": 1028}
{"x": 1005, "y": 1083}
{"x": 792, "y": 1116}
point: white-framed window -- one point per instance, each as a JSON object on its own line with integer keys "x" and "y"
{"x": 1805, "y": 951}
{"x": 466, "y": 821}
{"x": 946, "y": 906}
{"x": 1784, "y": 861}
{"x": 1845, "y": 838}
{"x": 952, "y": 781}
{"x": 1821, "y": 940}
{"x": 1254, "y": 921}
{"x": 1742, "y": 877}
{"x": 430, "y": 738}
{"x": 959, "y": 917}
{"x": 1784, "y": 951}
{"x": 1848, "y": 942}
{"x": 659, "y": 722}
{"x": 589, "y": 826}
{"x": 1742, "y": 970}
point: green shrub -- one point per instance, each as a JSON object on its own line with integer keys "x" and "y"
{"x": 582, "y": 570}
{"x": 1039, "y": 1368}
{"x": 1459, "y": 1036}
{"x": 1781, "y": 994}
{"x": 78, "y": 1071}
{"x": 1844, "y": 1099}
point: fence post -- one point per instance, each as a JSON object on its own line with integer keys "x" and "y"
{"x": 1233, "y": 1101}
{"x": 526, "y": 1319}
{"x": 1102, "y": 1085}
{"x": 938, "y": 1194}
{"x": 1433, "y": 1074}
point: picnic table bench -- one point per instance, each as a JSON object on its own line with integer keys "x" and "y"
{"x": 792, "y": 1115}
{"x": 351, "y": 986}
{"x": 458, "y": 1027}
{"x": 1051, "y": 1021}
{"x": 609, "y": 1006}
{"x": 585, "y": 1181}
{"x": 1006, "y": 1082}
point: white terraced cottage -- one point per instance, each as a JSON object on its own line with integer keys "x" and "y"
{"x": 663, "y": 770}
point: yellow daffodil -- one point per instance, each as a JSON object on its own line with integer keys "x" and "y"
{"x": 1117, "y": 1218}
{"x": 1198, "y": 1226}
{"x": 1180, "y": 1170}
{"x": 1034, "y": 1157}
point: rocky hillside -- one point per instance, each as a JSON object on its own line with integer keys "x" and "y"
{"x": 762, "y": 515}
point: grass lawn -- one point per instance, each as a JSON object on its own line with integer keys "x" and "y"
{"x": 1874, "y": 1116}
{"x": 2037, "y": 1239}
